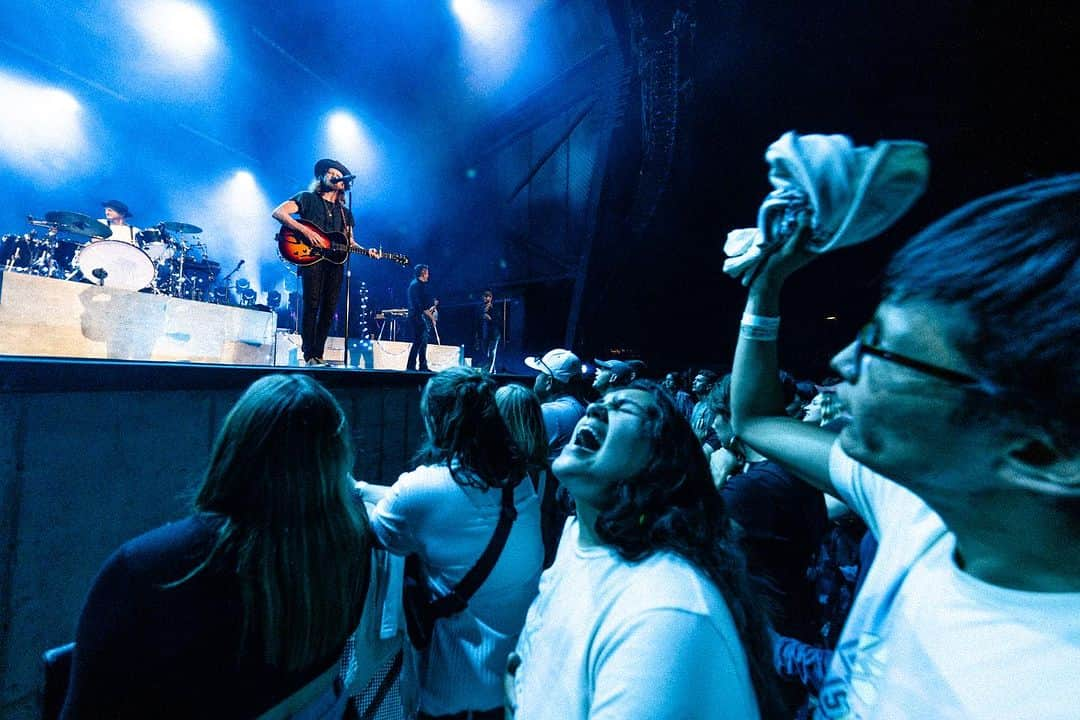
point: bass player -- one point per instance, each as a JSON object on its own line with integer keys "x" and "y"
{"x": 423, "y": 314}
{"x": 323, "y": 205}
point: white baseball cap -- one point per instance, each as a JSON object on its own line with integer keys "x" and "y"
{"x": 560, "y": 364}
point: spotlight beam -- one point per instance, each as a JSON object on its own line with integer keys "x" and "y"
{"x": 117, "y": 96}
{"x": 384, "y": 131}
{"x": 63, "y": 70}
{"x": 292, "y": 59}
{"x": 214, "y": 141}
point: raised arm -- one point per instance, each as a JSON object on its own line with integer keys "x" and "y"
{"x": 757, "y": 404}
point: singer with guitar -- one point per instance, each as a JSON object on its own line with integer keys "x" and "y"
{"x": 423, "y": 314}
{"x": 323, "y": 205}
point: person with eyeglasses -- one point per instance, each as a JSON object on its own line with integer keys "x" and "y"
{"x": 962, "y": 455}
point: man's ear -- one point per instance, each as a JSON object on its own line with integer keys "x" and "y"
{"x": 1033, "y": 462}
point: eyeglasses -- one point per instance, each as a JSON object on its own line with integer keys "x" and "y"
{"x": 864, "y": 345}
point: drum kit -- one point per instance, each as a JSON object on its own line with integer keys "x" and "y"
{"x": 166, "y": 259}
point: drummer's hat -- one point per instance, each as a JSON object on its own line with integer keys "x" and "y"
{"x": 326, "y": 163}
{"x": 118, "y": 207}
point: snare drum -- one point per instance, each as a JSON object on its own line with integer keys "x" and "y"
{"x": 115, "y": 264}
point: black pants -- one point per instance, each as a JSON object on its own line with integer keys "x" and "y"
{"x": 421, "y": 330}
{"x": 486, "y": 349}
{"x": 322, "y": 287}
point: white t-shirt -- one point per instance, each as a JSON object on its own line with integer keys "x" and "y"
{"x": 926, "y": 640}
{"x": 611, "y": 640}
{"x": 123, "y": 233}
{"x": 449, "y": 526}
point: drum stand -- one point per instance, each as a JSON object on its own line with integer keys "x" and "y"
{"x": 158, "y": 265}
{"x": 183, "y": 252}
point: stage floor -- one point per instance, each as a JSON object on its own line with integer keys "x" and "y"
{"x": 45, "y": 317}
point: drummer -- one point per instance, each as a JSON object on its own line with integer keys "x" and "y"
{"x": 116, "y": 216}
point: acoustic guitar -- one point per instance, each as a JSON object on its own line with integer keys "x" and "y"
{"x": 332, "y": 247}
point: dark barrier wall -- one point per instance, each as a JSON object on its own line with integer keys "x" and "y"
{"x": 94, "y": 453}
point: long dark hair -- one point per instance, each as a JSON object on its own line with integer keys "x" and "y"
{"x": 278, "y": 482}
{"x": 465, "y": 430}
{"x": 673, "y": 505}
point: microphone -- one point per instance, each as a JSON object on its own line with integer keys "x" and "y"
{"x": 344, "y": 178}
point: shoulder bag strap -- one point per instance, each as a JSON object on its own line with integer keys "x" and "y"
{"x": 458, "y": 598}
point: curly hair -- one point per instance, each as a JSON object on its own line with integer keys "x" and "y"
{"x": 672, "y": 505}
{"x": 466, "y": 431}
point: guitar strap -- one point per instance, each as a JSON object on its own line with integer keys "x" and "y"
{"x": 344, "y": 220}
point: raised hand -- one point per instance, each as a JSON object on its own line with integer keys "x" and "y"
{"x": 783, "y": 262}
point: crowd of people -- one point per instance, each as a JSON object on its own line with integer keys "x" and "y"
{"x": 894, "y": 541}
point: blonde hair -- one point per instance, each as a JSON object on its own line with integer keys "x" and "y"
{"x": 520, "y": 410}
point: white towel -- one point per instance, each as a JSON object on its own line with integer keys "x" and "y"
{"x": 844, "y": 194}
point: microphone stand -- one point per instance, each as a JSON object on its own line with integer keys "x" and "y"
{"x": 502, "y": 336}
{"x": 225, "y": 279}
{"x": 494, "y": 356}
{"x": 348, "y": 284}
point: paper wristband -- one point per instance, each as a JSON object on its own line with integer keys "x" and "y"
{"x": 754, "y": 332}
{"x": 760, "y": 321}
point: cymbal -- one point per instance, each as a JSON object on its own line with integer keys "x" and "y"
{"x": 179, "y": 227}
{"x": 78, "y": 223}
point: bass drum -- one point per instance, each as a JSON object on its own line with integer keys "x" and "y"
{"x": 115, "y": 264}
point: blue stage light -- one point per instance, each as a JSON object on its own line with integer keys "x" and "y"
{"x": 243, "y": 181}
{"x": 478, "y": 17}
{"x": 181, "y": 34}
{"x": 350, "y": 142}
{"x": 42, "y": 132}
{"x": 493, "y": 35}
{"x": 234, "y": 212}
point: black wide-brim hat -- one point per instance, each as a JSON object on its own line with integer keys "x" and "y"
{"x": 326, "y": 163}
{"x": 118, "y": 207}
